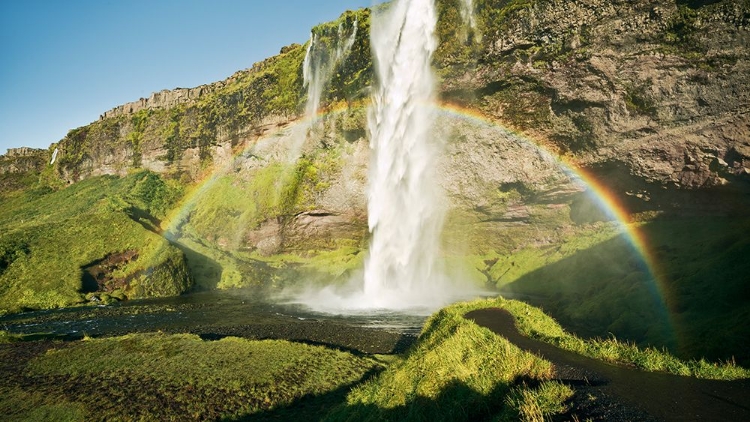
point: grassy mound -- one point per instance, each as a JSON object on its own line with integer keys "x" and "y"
{"x": 535, "y": 323}
{"x": 458, "y": 371}
{"x": 694, "y": 301}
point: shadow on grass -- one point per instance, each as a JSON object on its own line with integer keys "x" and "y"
{"x": 456, "y": 402}
{"x": 206, "y": 272}
{"x": 697, "y": 306}
{"x": 311, "y": 407}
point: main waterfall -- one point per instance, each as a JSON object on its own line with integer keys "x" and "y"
{"x": 405, "y": 206}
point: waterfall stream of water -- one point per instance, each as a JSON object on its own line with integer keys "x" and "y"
{"x": 405, "y": 203}
{"x": 321, "y": 59}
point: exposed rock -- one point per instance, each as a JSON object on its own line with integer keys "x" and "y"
{"x": 267, "y": 238}
{"x": 322, "y": 228}
{"x": 102, "y": 281}
{"x": 657, "y": 89}
{"x": 639, "y": 83}
{"x": 23, "y": 160}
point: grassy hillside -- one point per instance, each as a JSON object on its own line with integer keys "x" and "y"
{"x": 458, "y": 371}
{"x": 49, "y": 238}
{"x": 590, "y": 277}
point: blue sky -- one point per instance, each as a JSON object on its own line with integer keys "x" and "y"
{"x": 63, "y": 63}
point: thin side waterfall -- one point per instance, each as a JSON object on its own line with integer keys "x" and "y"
{"x": 405, "y": 204}
{"x": 470, "y": 21}
{"x": 324, "y": 53}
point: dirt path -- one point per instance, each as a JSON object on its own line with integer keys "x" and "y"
{"x": 609, "y": 392}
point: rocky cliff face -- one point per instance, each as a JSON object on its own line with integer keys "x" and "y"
{"x": 23, "y": 160}
{"x": 655, "y": 92}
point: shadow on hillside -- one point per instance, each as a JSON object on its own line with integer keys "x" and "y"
{"x": 146, "y": 220}
{"x": 206, "y": 272}
{"x": 698, "y": 307}
{"x": 455, "y": 402}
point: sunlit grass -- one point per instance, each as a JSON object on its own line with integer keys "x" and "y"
{"x": 46, "y": 241}
{"x": 457, "y": 371}
{"x": 535, "y": 323}
{"x": 132, "y": 377}
{"x": 536, "y": 404}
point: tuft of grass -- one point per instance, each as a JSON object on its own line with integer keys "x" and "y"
{"x": 536, "y": 404}
{"x": 8, "y": 337}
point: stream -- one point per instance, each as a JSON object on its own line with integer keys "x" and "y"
{"x": 216, "y": 314}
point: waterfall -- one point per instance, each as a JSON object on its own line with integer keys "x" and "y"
{"x": 324, "y": 53}
{"x": 467, "y": 15}
{"x": 405, "y": 207}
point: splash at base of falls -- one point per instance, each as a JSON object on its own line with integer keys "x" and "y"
{"x": 350, "y": 298}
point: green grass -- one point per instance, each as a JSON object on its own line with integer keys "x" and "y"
{"x": 593, "y": 280}
{"x": 536, "y": 404}
{"x": 155, "y": 376}
{"x": 457, "y": 371}
{"x": 535, "y": 323}
{"x": 48, "y": 239}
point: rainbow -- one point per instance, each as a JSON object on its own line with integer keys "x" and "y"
{"x": 606, "y": 200}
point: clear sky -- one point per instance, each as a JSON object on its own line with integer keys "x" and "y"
{"x": 63, "y": 63}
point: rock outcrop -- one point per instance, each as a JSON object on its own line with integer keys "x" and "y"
{"x": 23, "y": 160}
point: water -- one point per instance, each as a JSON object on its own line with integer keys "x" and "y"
{"x": 324, "y": 53}
{"x": 216, "y": 314}
{"x": 321, "y": 59}
{"x": 470, "y": 21}
{"x": 405, "y": 204}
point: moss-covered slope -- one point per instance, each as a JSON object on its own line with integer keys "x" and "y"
{"x": 51, "y": 241}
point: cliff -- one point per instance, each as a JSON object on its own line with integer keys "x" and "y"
{"x": 23, "y": 160}
{"x": 651, "y": 96}
{"x": 654, "y": 93}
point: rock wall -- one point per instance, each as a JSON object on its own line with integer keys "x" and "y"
{"x": 658, "y": 90}
{"x": 168, "y": 98}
